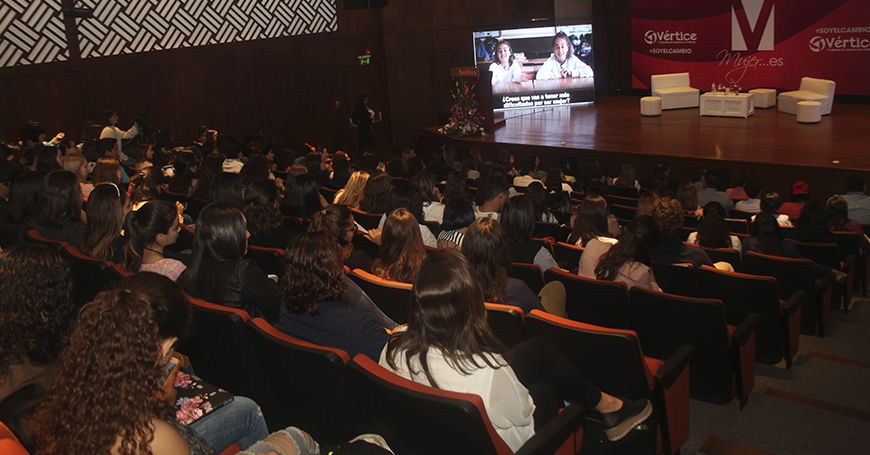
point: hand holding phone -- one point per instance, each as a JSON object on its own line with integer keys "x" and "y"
{"x": 167, "y": 382}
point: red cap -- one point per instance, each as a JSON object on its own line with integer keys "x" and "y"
{"x": 800, "y": 188}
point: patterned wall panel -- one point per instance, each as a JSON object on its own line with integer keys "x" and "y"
{"x": 31, "y": 32}
{"x": 130, "y": 26}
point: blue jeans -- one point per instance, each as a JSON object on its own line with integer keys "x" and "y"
{"x": 239, "y": 421}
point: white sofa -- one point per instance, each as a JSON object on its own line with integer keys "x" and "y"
{"x": 675, "y": 90}
{"x": 821, "y": 90}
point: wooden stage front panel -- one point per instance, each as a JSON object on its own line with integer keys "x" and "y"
{"x": 769, "y": 144}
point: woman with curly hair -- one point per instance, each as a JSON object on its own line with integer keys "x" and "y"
{"x": 312, "y": 308}
{"x": 36, "y": 314}
{"x": 376, "y": 194}
{"x": 401, "y": 248}
{"x": 713, "y": 232}
{"x": 107, "y": 207}
{"x": 352, "y": 193}
{"x": 115, "y": 361}
{"x": 263, "y": 218}
{"x": 629, "y": 260}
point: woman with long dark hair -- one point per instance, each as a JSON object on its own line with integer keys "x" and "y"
{"x": 629, "y": 259}
{"x": 401, "y": 248}
{"x": 592, "y": 222}
{"x": 837, "y": 214}
{"x": 433, "y": 209}
{"x": 312, "y": 308}
{"x": 448, "y": 344}
{"x": 107, "y": 207}
{"x": 218, "y": 272}
{"x": 376, "y": 194}
{"x": 107, "y": 170}
{"x": 211, "y": 166}
{"x": 518, "y": 221}
{"x": 458, "y": 216}
{"x": 538, "y": 196}
{"x": 59, "y": 209}
{"x": 226, "y": 187}
{"x": 302, "y": 198}
{"x": 146, "y": 186}
{"x": 149, "y": 231}
{"x": 182, "y": 177}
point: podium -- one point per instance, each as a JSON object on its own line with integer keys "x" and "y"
{"x": 482, "y": 81}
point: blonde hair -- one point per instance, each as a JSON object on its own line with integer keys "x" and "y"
{"x": 352, "y": 193}
{"x": 73, "y": 162}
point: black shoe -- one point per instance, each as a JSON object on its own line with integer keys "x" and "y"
{"x": 619, "y": 423}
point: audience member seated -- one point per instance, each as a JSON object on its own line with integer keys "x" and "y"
{"x": 352, "y": 193}
{"x": 627, "y": 180}
{"x": 59, "y": 209}
{"x": 487, "y": 248}
{"x": 713, "y": 231}
{"x": 771, "y": 203}
{"x": 210, "y": 167}
{"x": 219, "y": 274}
{"x": 857, "y": 199}
{"x": 557, "y": 191}
{"x": 263, "y": 217}
{"x": 536, "y": 193}
{"x": 527, "y": 175}
{"x": 37, "y": 316}
{"x": 107, "y": 170}
{"x": 114, "y": 364}
{"x": 78, "y": 164}
{"x": 737, "y": 190}
{"x": 182, "y": 176}
{"x": 687, "y": 194}
{"x": 799, "y": 197}
{"x": 376, "y": 194}
{"x": 668, "y": 215}
{"x": 107, "y": 208}
{"x": 341, "y": 172}
{"x": 458, "y": 216}
{"x": 495, "y": 194}
{"x": 47, "y": 159}
{"x": 448, "y": 344}
{"x": 593, "y": 222}
{"x": 433, "y": 209}
{"x": 711, "y": 192}
{"x": 518, "y": 221}
{"x": 149, "y": 231}
{"x": 667, "y": 183}
{"x": 812, "y": 226}
{"x": 401, "y": 247}
{"x": 629, "y": 259}
{"x": 146, "y": 186}
{"x": 455, "y": 188}
{"x": 302, "y": 199}
{"x": 23, "y": 198}
{"x": 226, "y": 188}
{"x": 312, "y": 308}
{"x": 838, "y": 220}
{"x": 407, "y": 196}
{"x": 753, "y": 188}
{"x": 645, "y": 203}
{"x": 768, "y": 239}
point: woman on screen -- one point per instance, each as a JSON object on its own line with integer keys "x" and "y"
{"x": 563, "y": 62}
{"x": 505, "y": 68}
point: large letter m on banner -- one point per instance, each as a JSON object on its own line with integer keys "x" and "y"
{"x": 752, "y": 25}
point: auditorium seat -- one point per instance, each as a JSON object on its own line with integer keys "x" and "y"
{"x": 830, "y": 254}
{"x": 613, "y": 360}
{"x": 567, "y": 253}
{"x": 270, "y": 260}
{"x": 9, "y": 444}
{"x": 391, "y": 297}
{"x": 724, "y": 364}
{"x": 793, "y": 275}
{"x": 676, "y": 279}
{"x": 778, "y": 333}
{"x": 531, "y": 274}
{"x": 307, "y": 384}
{"x": 33, "y": 236}
{"x": 417, "y": 419}
{"x": 729, "y": 255}
{"x": 506, "y": 323}
{"x": 90, "y": 275}
{"x": 365, "y": 219}
{"x": 596, "y": 302}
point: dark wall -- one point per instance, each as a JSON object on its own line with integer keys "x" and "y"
{"x": 289, "y": 86}
{"x": 286, "y": 86}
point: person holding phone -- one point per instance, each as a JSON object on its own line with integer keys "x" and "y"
{"x": 563, "y": 63}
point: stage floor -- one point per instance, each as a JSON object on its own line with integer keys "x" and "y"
{"x": 841, "y": 140}
{"x": 769, "y": 143}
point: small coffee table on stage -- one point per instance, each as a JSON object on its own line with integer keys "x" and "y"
{"x": 739, "y": 105}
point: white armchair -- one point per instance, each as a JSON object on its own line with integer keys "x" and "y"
{"x": 820, "y": 90}
{"x": 675, "y": 90}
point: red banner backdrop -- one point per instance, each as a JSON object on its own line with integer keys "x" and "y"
{"x": 754, "y": 43}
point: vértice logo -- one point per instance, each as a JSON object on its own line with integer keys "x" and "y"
{"x": 669, "y": 37}
{"x": 840, "y": 43}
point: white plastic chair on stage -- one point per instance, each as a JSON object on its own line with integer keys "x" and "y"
{"x": 821, "y": 90}
{"x": 675, "y": 90}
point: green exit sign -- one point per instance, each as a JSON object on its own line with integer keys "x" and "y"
{"x": 365, "y": 59}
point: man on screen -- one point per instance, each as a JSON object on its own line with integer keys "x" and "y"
{"x": 563, "y": 63}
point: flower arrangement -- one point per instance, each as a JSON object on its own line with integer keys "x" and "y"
{"x": 465, "y": 118}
